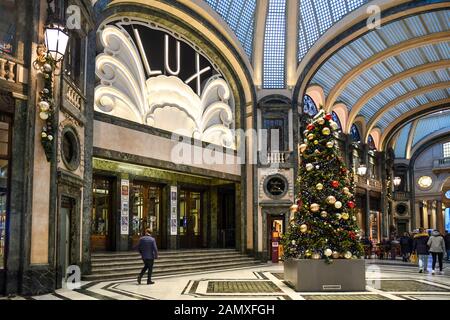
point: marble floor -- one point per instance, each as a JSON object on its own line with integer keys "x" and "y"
{"x": 385, "y": 280}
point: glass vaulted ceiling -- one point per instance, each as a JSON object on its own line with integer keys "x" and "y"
{"x": 240, "y": 16}
{"x": 317, "y": 16}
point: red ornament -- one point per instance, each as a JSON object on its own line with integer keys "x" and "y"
{"x": 343, "y": 170}
{"x": 351, "y": 204}
{"x": 328, "y": 117}
{"x": 335, "y": 184}
{"x": 299, "y": 203}
{"x": 352, "y": 235}
{"x": 310, "y": 127}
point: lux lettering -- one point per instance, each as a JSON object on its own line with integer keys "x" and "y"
{"x": 168, "y": 65}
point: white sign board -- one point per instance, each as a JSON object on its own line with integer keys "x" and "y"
{"x": 124, "y": 207}
{"x": 173, "y": 210}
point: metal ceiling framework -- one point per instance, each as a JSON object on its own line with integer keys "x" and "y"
{"x": 415, "y": 132}
{"x": 391, "y": 71}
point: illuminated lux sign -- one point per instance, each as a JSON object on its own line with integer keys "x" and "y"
{"x": 149, "y": 76}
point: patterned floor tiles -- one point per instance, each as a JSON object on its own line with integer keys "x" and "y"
{"x": 385, "y": 281}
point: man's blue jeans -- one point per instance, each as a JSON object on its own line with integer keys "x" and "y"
{"x": 423, "y": 262}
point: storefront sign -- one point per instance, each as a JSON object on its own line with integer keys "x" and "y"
{"x": 124, "y": 212}
{"x": 173, "y": 211}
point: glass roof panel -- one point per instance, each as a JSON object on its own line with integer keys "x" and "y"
{"x": 240, "y": 16}
{"x": 318, "y": 16}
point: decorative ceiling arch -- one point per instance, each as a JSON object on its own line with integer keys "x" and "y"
{"x": 351, "y": 28}
{"x": 418, "y": 131}
{"x": 396, "y": 125}
{"x": 396, "y": 79}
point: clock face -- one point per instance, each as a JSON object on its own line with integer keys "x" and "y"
{"x": 425, "y": 182}
{"x": 447, "y": 194}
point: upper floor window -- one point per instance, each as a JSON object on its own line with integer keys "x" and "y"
{"x": 446, "y": 149}
{"x": 354, "y": 132}
{"x": 73, "y": 60}
{"x": 7, "y": 26}
{"x": 275, "y": 134}
{"x": 309, "y": 106}
{"x": 335, "y": 118}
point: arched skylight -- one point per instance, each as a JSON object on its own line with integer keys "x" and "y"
{"x": 275, "y": 45}
{"x": 240, "y": 16}
{"x": 317, "y": 16}
{"x": 309, "y": 107}
{"x": 354, "y": 132}
{"x": 336, "y": 119}
{"x": 402, "y": 141}
{"x": 431, "y": 124}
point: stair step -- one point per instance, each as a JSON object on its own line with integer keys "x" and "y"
{"x": 169, "y": 271}
{"x": 174, "y": 258}
{"x": 161, "y": 253}
{"x": 165, "y": 265}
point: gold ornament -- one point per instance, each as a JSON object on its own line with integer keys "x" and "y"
{"x": 326, "y": 131}
{"x": 316, "y": 142}
{"x": 335, "y": 255}
{"x": 314, "y": 207}
{"x": 333, "y": 125}
{"x": 323, "y": 214}
{"x": 303, "y": 228}
{"x": 338, "y": 216}
{"x": 346, "y": 190}
{"x": 319, "y": 186}
{"x": 310, "y": 136}
{"x": 317, "y": 151}
{"x": 338, "y": 204}
{"x": 328, "y": 252}
{"x": 302, "y": 147}
{"x": 309, "y": 166}
{"x": 331, "y": 199}
{"x": 316, "y": 256}
{"x": 321, "y": 121}
{"x": 345, "y": 216}
{"x": 330, "y": 144}
{"x": 308, "y": 253}
{"x": 348, "y": 255}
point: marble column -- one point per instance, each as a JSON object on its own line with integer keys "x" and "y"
{"x": 425, "y": 214}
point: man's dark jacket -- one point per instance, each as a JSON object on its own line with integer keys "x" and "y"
{"x": 447, "y": 241}
{"x": 420, "y": 243}
{"x": 147, "y": 248}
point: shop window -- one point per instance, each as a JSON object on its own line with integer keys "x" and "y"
{"x": 275, "y": 134}
{"x": 5, "y": 135}
{"x": 7, "y": 26}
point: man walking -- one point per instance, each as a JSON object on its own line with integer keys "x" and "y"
{"x": 149, "y": 252}
{"x": 437, "y": 248}
{"x": 421, "y": 248}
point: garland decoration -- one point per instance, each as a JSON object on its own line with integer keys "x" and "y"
{"x": 46, "y": 102}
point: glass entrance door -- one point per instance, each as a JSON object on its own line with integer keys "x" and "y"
{"x": 146, "y": 211}
{"x": 190, "y": 219}
{"x": 102, "y": 225}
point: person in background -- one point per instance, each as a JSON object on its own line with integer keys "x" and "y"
{"x": 385, "y": 247}
{"x": 437, "y": 248}
{"x": 149, "y": 252}
{"x": 447, "y": 244}
{"x": 395, "y": 245}
{"x": 421, "y": 248}
{"x": 367, "y": 247}
{"x": 405, "y": 246}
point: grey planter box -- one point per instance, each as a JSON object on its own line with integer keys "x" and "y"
{"x": 307, "y": 275}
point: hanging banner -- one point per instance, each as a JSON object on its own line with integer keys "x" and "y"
{"x": 173, "y": 210}
{"x": 124, "y": 212}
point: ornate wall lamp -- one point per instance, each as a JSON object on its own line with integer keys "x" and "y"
{"x": 49, "y": 55}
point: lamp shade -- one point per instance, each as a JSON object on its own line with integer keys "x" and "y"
{"x": 362, "y": 170}
{"x": 56, "y": 39}
{"x": 397, "y": 181}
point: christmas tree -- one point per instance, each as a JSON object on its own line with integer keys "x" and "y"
{"x": 323, "y": 225}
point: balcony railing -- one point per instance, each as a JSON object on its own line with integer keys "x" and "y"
{"x": 401, "y": 196}
{"x": 12, "y": 70}
{"x": 268, "y": 158}
{"x": 442, "y": 164}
